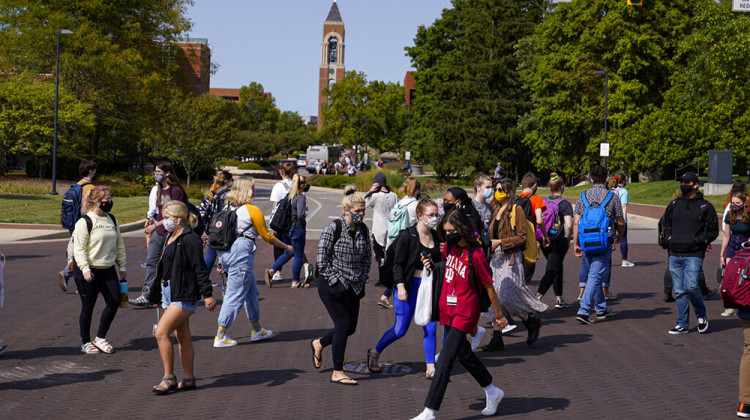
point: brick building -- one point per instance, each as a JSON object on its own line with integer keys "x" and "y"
{"x": 332, "y": 56}
{"x": 194, "y": 59}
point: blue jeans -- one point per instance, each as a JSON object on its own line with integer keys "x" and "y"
{"x": 153, "y": 255}
{"x": 598, "y": 268}
{"x": 404, "y": 314}
{"x": 210, "y": 258}
{"x": 297, "y": 237}
{"x": 685, "y": 272}
{"x": 242, "y": 290}
{"x": 583, "y": 277}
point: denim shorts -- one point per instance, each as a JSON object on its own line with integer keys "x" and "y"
{"x": 166, "y": 300}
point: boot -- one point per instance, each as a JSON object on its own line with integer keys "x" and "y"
{"x": 668, "y": 295}
{"x": 533, "y": 325}
{"x": 496, "y": 343}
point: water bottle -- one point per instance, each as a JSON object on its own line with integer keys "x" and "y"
{"x": 123, "y": 293}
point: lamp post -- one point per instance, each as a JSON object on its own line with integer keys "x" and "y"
{"x": 57, "y": 88}
{"x": 408, "y": 139}
{"x": 366, "y": 157}
{"x": 606, "y": 89}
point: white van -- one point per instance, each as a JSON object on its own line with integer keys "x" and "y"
{"x": 321, "y": 154}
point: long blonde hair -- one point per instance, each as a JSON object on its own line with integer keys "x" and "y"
{"x": 179, "y": 209}
{"x": 295, "y": 189}
{"x": 412, "y": 187}
{"x": 242, "y": 191}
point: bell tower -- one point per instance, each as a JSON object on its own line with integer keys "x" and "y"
{"x": 332, "y": 56}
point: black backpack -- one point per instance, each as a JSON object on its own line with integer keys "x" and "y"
{"x": 71, "y": 206}
{"x": 281, "y": 217}
{"x": 90, "y": 223}
{"x": 222, "y": 231}
{"x": 525, "y": 204}
{"x": 662, "y": 240}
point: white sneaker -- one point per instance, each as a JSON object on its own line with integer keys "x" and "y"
{"x": 424, "y": 416}
{"x": 729, "y": 312}
{"x": 509, "y": 327}
{"x": 491, "y": 408}
{"x": 702, "y": 324}
{"x": 277, "y": 277}
{"x": 475, "y": 340}
{"x": 436, "y": 356}
{"x": 627, "y": 264}
{"x": 224, "y": 342}
{"x": 263, "y": 334}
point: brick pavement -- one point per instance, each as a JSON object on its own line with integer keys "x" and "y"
{"x": 624, "y": 367}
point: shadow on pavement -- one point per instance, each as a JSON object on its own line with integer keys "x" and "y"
{"x": 58, "y": 379}
{"x": 518, "y": 405}
{"x": 42, "y": 352}
{"x": 255, "y": 377}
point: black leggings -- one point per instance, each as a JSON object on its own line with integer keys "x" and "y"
{"x": 105, "y": 282}
{"x": 343, "y": 308}
{"x": 553, "y": 274}
{"x": 455, "y": 347}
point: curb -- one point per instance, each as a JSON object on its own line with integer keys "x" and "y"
{"x": 128, "y": 227}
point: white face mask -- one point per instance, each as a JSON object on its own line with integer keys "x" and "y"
{"x": 170, "y": 225}
{"x": 432, "y": 222}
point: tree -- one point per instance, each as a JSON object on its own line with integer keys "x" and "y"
{"x": 194, "y": 131}
{"x": 469, "y": 93}
{"x": 258, "y": 110}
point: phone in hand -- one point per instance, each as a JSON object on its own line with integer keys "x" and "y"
{"x": 425, "y": 254}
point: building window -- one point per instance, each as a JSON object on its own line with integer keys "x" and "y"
{"x": 332, "y": 50}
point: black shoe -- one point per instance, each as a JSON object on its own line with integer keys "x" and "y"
{"x": 609, "y": 312}
{"x": 743, "y": 410}
{"x": 534, "y": 326}
{"x": 378, "y": 284}
{"x": 668, "y": 295}
{"x": 584, "y": 319}
{"x": 496, "y": 343}
{"x": 709, "y": 293}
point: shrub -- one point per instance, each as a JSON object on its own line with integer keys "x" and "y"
{"x": 330, "y": 181}
{"x": 395, "y": 179}
{"x": 129, "y": 191}
{"x": 194, "y": 192}
{"x": 249, "y": 165}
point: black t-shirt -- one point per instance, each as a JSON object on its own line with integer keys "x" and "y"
{"x": 434, "y": 253}
{"x": 167, "y": 261}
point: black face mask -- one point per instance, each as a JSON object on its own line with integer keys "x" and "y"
{"x": 448, "y": 207}
{"x": 306, "y": 188}
{"x": 106, "y": 206}
{"x": 686, "y": 189}
{"x": 453, "y": 239}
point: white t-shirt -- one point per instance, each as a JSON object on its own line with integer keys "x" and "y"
{"x": 280, "y": 190}
{"x": 152, "y": 208}
{"x": 381, "y": 203}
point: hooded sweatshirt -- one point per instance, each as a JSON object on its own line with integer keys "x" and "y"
{"x": 692, "y": 224}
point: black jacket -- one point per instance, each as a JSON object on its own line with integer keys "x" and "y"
{"x": 692, "y": 224}
{"x": 406, "y": 255}
{"x": 189, "y": 276}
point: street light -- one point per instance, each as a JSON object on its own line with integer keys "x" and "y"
{"x": 366, "y": 149}
{"x": 57, "y": 88}
{"x": 606, "y": 88}
{"x": 408, "y": 141}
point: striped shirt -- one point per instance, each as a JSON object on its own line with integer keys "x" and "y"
{"x": 348, "y": 260}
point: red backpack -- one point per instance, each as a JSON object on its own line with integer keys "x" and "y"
{"x": 735, "y": 285}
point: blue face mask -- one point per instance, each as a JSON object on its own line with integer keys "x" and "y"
{"x": 487, "y": 193}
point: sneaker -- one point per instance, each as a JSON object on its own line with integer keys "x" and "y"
{"x": 224, "y": 342}
{"x": 743, "y": 410}
{"x": 277, "y": 277}
{"x": 263, "y": 334}
{"x": 436, "y": 356}
{"x": 678, "y": 330}
{"x": 141, "y": 301}
{"x": 702, "y": 324}
{"x": 143, "y": 265}
{"x": 627, "y": 264}
{"x": 611, "y": 296}
{"x": 307, "y": 271}
{"x": 508, "y": 328}
{"x": 475, "y": 340}
{"x": 580, "y": 296}
{"x": 3, "y": 348}
{"x": 709, "y": 294}
{"x": 606, "y": 314}
{"x": 561, "y": 304}
{"x": 63, "y": 281}
{"x": 424, "y": 416}
{"x": 668, "y": 297}
{"x": 584, "y": 319}
{"x": 268, "y": 275}
{"x": 491, "y": 407}
{"x": 729, "y": 312}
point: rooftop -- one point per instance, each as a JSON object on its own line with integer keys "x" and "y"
{"x": 334, "y": 15}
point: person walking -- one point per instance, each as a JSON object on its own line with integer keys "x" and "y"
{"x": 87, "y": 172}
{"x": 239, "y": 261}
{"x": 458, "y": 285}
{"x": 183, "y": 277}
{"x": 213, "y": 203}
{"x": 344, "y": 258}
{"x": 483, "y": 192}
{"x": 619, "y": 187}
{"x": 97, "y": 247}
{"x": 382, "y": 200}
{"x": 278, "y": 192}
{"x": 597, "y": 260}
{"x": 738, "y": 186}
{"x": 170, "y": 190}
{"x": 297, "y": 233}
{"x": 412, "y": 244}
{"x": 533, "y": 207}
{"x": 690, "y": 225}
{"x": 507, "y": 266}
{"x": 559, "y": 241}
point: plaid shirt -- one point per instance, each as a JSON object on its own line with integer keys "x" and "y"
{"x": 348, "y": 260}
{"x": 597, "y": 194}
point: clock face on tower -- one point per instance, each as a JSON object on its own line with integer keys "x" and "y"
{"x": 331, "y": 71}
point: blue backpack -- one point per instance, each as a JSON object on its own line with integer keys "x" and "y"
{"x": 593, "y": 228}
{"x": 71, "y": 206}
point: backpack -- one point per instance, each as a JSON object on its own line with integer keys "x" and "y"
{"x": 525, "y": 204}
{"x": 398, "y": 220}
{"x": 735, "y": 287}
{"x": 553, "y": 220}
{"x": 222, "y": 231}
{"x": 281, "y": 216}
{"x": 337, "y": 228}
{"x": 90, "y": 223}
{"x": 593, "y": 228}
{"x": 531, "y": 247}
{"x": 201, "y": 226}
{"x": 71, "y": 206}
{"x": 662, "y": 238}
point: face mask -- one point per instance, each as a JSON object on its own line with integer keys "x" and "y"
{"x": 500, "y": 196}
{"x": 453, "y": 239}
{"x": 533, "y": 191}
{"x": 158, "y": 177}
{"x": 170, "y": 225}
{"x": 356, "y": 217}
{"x": 94, "y": 176}
{"x": 487, "y": 193}
{"x": 737, "y": 207}
{"x": 306, "y": 188}
{"x": 685, "y": 189}
{"x": 432, "y": 222}
{"x": 106, "y": 206}
{"x": 448, "y": 207}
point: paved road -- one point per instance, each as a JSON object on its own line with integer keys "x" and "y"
{"x": 621, "y": 368}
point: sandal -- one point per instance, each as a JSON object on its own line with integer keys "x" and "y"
{"x": 295, "y": 285}
{"x": 103, "y": 345}
{"x": 89, "y": 348}
{"x": 429, "y": 374}
{"x": 160, "y": 389}
{"x": 317, "y": 362}
{"x": 345, "y": 381}
{"x": 372, "y": 361}
{"x": 187, "y": 384}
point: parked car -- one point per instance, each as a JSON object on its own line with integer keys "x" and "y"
{"x": 302, "y": 160}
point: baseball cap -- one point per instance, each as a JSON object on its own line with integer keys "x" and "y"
{"x": 689, "y": 177}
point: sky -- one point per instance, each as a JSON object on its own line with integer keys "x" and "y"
{"x": 277, "y": 43}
